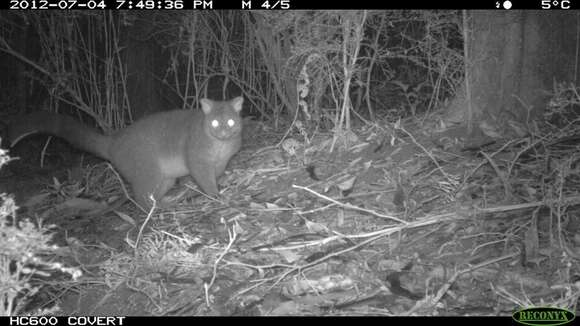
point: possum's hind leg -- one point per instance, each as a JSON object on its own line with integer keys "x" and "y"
{"x": 155, "y": 185}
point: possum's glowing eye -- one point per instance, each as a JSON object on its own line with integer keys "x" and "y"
{"x": 215, "y": 123}
{"x": 231, "y": 123}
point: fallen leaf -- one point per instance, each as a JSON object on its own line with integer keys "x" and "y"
{"x": 80, "y": 205}
{"x": 35, "y": 200}
{"x": 126, "y": 218}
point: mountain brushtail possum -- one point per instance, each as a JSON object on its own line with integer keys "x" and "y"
{"x": 156, "y": 150}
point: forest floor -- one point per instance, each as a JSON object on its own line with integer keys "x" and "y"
{"x": 390, "y": 222}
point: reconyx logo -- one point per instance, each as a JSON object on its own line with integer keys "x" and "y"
{"x": 543, "y": 316}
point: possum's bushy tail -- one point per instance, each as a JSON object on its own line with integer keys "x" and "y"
{"x": 77, "y": 134}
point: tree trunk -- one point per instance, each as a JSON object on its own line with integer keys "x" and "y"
{"x": 513, "y": 59}
{"x": 143, "y": 60}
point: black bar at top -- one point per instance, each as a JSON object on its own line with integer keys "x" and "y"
{"x": 546, "y": 5}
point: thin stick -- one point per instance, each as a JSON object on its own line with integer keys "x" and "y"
{"x": 349, "y": 206}
{"x": 449, "y": 179}
{"x": 139, "y": 236}
{"x": 206, "y": 286}
{"x": 431, "y": 302}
